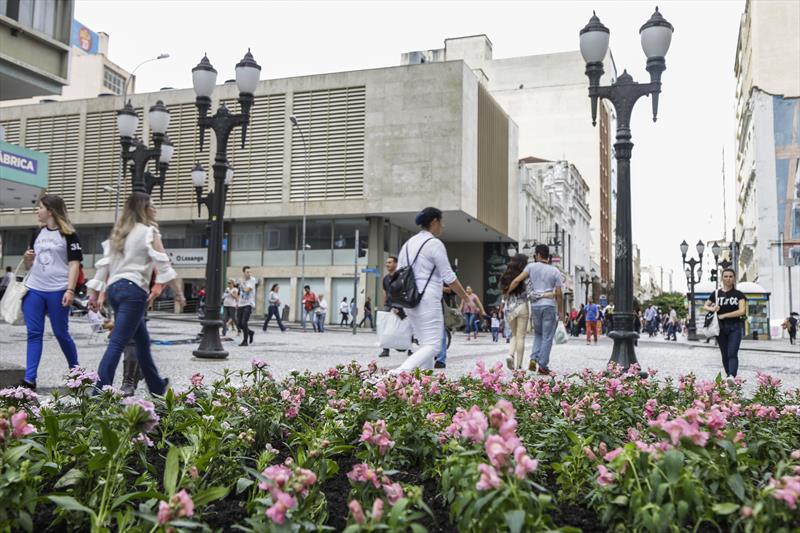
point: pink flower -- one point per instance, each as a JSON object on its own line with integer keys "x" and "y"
{"x": 183, "y": 503}
{"x": 377, "y": 510}
{"x": 255, "y": 363}
{"x": 197, "y": 379}
{"x": 787, "y": 489}
{"x": 489, "y": 478}
{"x": 474, "y": 424}
{"x": 164, "y": 512}
{"x": 612, "y": 454}
{"x": 435, "y": 417}
{"x": 364, "y": 474}
{"x": 393, "y": 491}
{"x": 606, "y": 477}
{"x": 282, "y": 502}
{"x": 356, "y": 511}
{"x": 19, "y": 423}
{"x": 525, "y": 464}
{"x": 633, "y": 434}
{"x": 496, "y": 450}
{"x": 193, "y": 473}
{"x": 589, "y": 453}
{"x": 746, "y": 512}
{"x": 377, "y": 435}
{"x": 795, "y": 455}
{"x": 277, "y": 477}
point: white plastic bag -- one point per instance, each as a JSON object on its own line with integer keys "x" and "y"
{"x": 561, "y": 334}
{"x": 711, "y": 327}
{"x": 393, "y": 333}
{"x": 11, "y": 304}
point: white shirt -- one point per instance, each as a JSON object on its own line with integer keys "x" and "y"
{"x": 323, "y": 306}
{"x": 135, "y": 264}
{"x": 344, "y": 308}
{"x": 6, "y": 281}
{"x": 273, "y": 298}
{"x": 231, "y": 297}
{"x": 495, "y": 322}
{"x": 542, "y": 279}
{"x": 433, "y": 255}
{"x": 248, "y": 297}
{"x": 50, "y": 270}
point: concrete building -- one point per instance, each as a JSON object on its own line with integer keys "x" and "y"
{"x": 554, "y": 209}
{"x": 34, "y": 47}
{"x": 767, "y": 230}
{"x": 547, "y": 96}
{"x": 382, "y": 144}
{"x": 91, "y": 72}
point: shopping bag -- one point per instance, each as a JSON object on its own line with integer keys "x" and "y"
{"x": 711, "y": 325}
{"x": 561, "y": 334}
{"x": 393, "y": 332}
{"x": 11, "y": 304}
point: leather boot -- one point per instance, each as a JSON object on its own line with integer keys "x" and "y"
{"x": 130, "y": 377}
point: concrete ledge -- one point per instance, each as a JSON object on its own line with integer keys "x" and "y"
{"x": 10, "y": 375}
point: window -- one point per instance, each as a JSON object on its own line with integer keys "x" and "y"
{"x": 280, "y": 243}
{"x": 344, "y": 239}
{"x": 113, "y": 81}
{"x": 318, "y": 242}
{"x": 37, "y": 14}
{"x": 183, "y": 237}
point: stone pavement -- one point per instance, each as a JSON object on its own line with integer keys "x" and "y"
{"x": 295, "y": 350}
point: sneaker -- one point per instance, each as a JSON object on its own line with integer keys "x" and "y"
{"x": 439, "y": 364}
{"x": 532, "y": 366}
{"x": 27, "y": 384}
{"x": 243, "y": 343}
{"x": 730, "y": 381}
{"x": 543, "y": 370}
{"x": 384, "y": 353}
{"x": 251, "y": 337}
{"x": 510, "y": 363}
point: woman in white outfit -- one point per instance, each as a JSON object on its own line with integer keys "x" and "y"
{"x": 431, "y": 271}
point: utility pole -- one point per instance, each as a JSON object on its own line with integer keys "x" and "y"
{"x": 355, "y": 281}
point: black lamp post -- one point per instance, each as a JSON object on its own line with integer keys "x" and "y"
{"x": 136, "y": 155}
{"x": 715, "y": 251}
{"x": 587, "y": 281}
{"x": 691, "y": 267}
{"x": 204, "y": 79}
{"x": 656, "y": 35}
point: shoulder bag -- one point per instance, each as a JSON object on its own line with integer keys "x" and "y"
{"x": 11, "y": 304}
{"x": 711, "y": 323}
{"x": 403, "y": 285}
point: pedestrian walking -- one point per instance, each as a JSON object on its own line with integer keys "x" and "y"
{"x": 790, "y": 325}
{"x": 672, "y": 325}
{"x": 344, "y": 312}
{"x": 592, "y": 316}
{"x": 472, "y": 308}
{"x": 247, "y": 301}
{"x": 730, "y": 305}
{"x": 320, "y": 312}
{"x": 310, "y": 303}
{"x": 495, "y": 326}
{"x": 274, "y": 302}
{"x": 516, "y": 309}
{"x": 391, "y": 268}
{"x": 53, "y": 258}
{"x": 426, "y": 255}
{"x": 230, "y": 302}
{"x": 130, "y": 254}
{"x": 367, "y": 313}
{"x": 544, "y": 292}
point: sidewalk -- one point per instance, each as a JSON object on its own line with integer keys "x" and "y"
{"x": 772, "y": 346}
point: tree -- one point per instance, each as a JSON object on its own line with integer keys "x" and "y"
{"x": 671, "y": 300}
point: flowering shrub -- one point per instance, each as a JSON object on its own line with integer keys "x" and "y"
{"x": 351, "y": 449}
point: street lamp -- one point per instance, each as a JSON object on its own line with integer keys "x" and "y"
{"x": 303, "y": 239}
{"x": 136, "y": 155}
{"x": 691, "y": 267}
{"x": 587, "y": 280}
{"x": 204, "y": 80}
{"x": 656, "y": 35}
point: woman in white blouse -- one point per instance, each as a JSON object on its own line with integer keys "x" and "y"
{"x": 129, "y": 257}
{"x": 431, "y": 271}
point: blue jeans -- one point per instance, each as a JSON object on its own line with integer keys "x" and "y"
{"x": 544, "y": 329}
{"x": 273, "y": 311}
{"x": 729, "y": 339}
{"x": 319, "y": 322}
{"x": 495, "y": 334}
{"x": 470, "y": 325}
{"x": 308, "y": 316}
{"x": 129, "y": 302}
{"x": 35, "y": 306}
{"x": 442, "y": 355}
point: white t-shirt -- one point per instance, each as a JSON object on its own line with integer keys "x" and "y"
{"x": 231, "y": 297}
{"x": 50, "y": 270}
{"x": 344, "y": 308}
{"x": 6, "y": 281}
{"x": 274, "y": 299}
{"x": 495, "y": 322}
{"x": 248, "y": 297}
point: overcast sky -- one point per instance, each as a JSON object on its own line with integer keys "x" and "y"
{"x": 677, "y": 162}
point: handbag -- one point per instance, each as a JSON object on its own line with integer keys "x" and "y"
{"x": 711, "y": 324}
{"x": 561, "y": 334}
{"x": 403, "y": 285}
{"x": 11, "y": 304}
{"x": 393, "y": 332}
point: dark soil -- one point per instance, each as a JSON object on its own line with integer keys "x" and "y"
{"x": 337, "y": 490}
{"x": 440, "y": 521}
{"x": 223, "y": 514}
{"x": 43, "y": 519}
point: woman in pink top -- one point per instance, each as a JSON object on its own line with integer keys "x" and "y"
{"x": 472, "y": 309}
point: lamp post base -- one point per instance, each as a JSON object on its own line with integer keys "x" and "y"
{"x": 692, "y": 336}
{"x": 211, "y": 344}
{"x": 624, "y": 336}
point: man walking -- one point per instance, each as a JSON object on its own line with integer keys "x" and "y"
{"x": 544, "y": 288}
{"x": 391, "y": 267}
{"x": 309, "y": 303}
{"x": 247, "y": 301}
{"x": 592, "y": 315}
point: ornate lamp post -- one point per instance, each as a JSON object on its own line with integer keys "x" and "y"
{"x": 656, "y": 35}
{"x": 136, "y": 155}
{"x": 691, "y": 266}
{"x": 587, "y": 281}
{"x": 204, "y": 79}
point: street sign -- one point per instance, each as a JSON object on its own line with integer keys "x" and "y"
{"x": 369, "y": 270}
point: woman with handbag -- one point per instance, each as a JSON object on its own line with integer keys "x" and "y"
{"x": 130, "y": 254}
{"x": 54, "y": 262}
{"x": 516, "y": 310}
{"x": 730, "y": 305}
{"x": 426, "y": 255}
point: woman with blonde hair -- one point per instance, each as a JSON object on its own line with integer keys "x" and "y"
{"x": 130, "y": 255}
{"x": 230, "y": 301}
{"x": 516, "y": 310}
{"x": 54, "y": 259}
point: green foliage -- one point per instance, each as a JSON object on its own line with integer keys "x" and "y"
{"x": 670, "y": 300}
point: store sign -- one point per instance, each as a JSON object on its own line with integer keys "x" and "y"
{"x": 84, "y": 38}
{"x": 23, "y": 176}
{"x": 188, "y": 256}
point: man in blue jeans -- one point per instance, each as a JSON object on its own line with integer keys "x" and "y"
{"x": 544, "y": 288}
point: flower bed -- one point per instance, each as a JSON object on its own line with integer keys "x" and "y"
{"x": 355, "y": 450}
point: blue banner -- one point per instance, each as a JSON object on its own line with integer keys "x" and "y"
{"x": 84, "y": 38}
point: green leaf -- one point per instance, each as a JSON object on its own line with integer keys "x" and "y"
{"x": 725, "y": 508}
{"x": 515, "y": 520}
{"x": 418, "y": 528}
{"x": 728, "y": 447}
{"x": 51, "y": 424}
{"x": 135, "y": 496}
{"x": 242, "y": 484}
{"x": 70, "y": 504}
{"x": 736, "y": 483}
{"x": 673, "y": 462}
{"x": 70, "y": 478}
{"x": 14, "y": 453}
{"x": 109, "y": 437}
{"x": 171, "y": 470}
{"x": 210, "y": 494}
{"x": 620, "y": 500}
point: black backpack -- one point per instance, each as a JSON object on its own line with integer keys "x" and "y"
{"x": 403, "y": 285}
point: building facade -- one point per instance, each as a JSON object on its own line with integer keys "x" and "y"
{"x": 381, "y": 145}
{"x": 767, "y": 231}
{"x": 546, "y": 95}
{"x": 34, "y": 47}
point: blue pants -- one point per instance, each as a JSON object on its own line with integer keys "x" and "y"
{"x": 35, "y": 306}
{"x": 442, "y": 356}
{"x": 129, "y": 302}
{"x": 495, "y": 334}
{"x": 729, "y": 339}
{"x": 319, "y": 322}
{"x": 544, "y": 329}
{"x": 470, "y": 325}
{"x": 273, "y": 311}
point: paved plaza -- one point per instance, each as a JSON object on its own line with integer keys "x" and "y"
{"x": 295, "y": 350}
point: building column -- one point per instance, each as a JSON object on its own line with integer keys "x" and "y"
{"x": 375, "y": 260}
